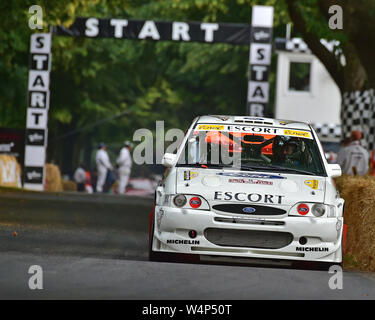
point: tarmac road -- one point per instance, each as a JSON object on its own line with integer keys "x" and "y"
{"x": 92, "y": 247}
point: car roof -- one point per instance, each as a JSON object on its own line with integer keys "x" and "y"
{"x": 249, "y": 120}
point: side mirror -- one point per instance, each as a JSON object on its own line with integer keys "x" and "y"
{"x": 169, "y": 160}
{"x": 334, "y": 170}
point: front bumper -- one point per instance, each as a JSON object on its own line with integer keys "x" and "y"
{"x": 172, "y": 227}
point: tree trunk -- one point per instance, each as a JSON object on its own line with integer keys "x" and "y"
{"x": 358, "y": 74}
{"x": 87, "y": 151}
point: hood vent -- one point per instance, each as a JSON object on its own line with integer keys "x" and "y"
{"x": 253, "y": 122}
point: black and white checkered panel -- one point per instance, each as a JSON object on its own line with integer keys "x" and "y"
{"x": 358, "y": 113}
{"x": 297, "y": 45}
{"x": 328, "y": 130}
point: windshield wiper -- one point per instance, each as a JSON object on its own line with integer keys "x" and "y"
{"x": 208, "y": 165}
{"x": 273, "y": 167}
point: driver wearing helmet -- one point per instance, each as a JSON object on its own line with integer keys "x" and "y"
{"x": 287, "y": 154}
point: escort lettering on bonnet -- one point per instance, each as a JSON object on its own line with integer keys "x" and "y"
{"x": 258, "y": 188}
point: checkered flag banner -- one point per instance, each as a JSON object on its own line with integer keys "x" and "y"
{"x": 358, "y": 113}
{"x": 327, "y": 130}
{"x": 297, "y": 45}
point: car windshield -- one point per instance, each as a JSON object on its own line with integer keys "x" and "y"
{"x": 252, "y": 148}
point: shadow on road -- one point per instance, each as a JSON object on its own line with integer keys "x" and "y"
{"x": 65, "y": 224}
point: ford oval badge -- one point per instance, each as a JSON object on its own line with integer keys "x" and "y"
{"x": 248, "y": 210}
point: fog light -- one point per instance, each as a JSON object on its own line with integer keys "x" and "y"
{"x": 179, "y": 200}
{"x": 318, "y": 209}
{"x": 302, "y": 240}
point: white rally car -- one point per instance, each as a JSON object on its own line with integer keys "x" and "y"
{"x": 245, "y": 187}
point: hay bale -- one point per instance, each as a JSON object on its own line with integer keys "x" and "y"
{"x": 10, "y": 171}
{"x": 69, "y": 185}
{"x": 359, "y": 195}
{"x": 53, "y": 178}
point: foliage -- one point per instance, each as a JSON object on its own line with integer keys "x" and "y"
{"x": 95, "y": 79}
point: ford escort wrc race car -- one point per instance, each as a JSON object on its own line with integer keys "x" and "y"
{"x": 245, "y": 187}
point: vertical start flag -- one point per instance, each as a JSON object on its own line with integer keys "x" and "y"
{"x": 260, "y": 61}
{"x": 37, "y": 111}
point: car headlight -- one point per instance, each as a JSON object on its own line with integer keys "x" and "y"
{"x": 331, "y": 212}
{"x": 185, "y": 201}
{"x": 318, "y": 209}
{"x": 179, "y": 200}
{"x": 314, "y": 210}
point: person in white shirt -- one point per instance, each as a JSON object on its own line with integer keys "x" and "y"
{"x": 103, "y": 164}
{"x": 124, "y": 162}
{"x": 353, "y": 158}
{"x": 80, "y": 178}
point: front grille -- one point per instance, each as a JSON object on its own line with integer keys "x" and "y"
{"x": 255, "y": 209}
{"x": 248, "y": 238}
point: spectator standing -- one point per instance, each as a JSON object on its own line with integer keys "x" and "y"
{"x": 124, "y": 162}
{"x": 103, "y": 164}
{"x": 80, "y": 178}
{"x": 353, "y": 158}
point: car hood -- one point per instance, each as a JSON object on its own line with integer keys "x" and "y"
{"x": 268, "y": 188}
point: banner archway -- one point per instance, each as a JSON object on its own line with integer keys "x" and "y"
{"x": 258, "y": 36}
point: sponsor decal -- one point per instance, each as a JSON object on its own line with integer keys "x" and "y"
{"x": 195, "y": 202}
{"x": 251, "y": 181}
{"x": 209, "y": 127}
{"x": 313, "y": 184}
{"x": 248, "y": 197}
{"x": 35, "y": 137}
{"x": 33, "y": 175}
{"x": 249, "y": 175}
{"x": 248, "y": 210}
{"x": 295, "y": 133}
{"x": 312, "y": 249}
{"x": 6, "y": 147}
{"x": 303, "y": 209}
{"x": 261, "y": 35}
{"x": 255, "y": 129}
{"x": 188, "y": 175}
{"x": 265, "y": 130}
{"x": 177, "y": 241}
